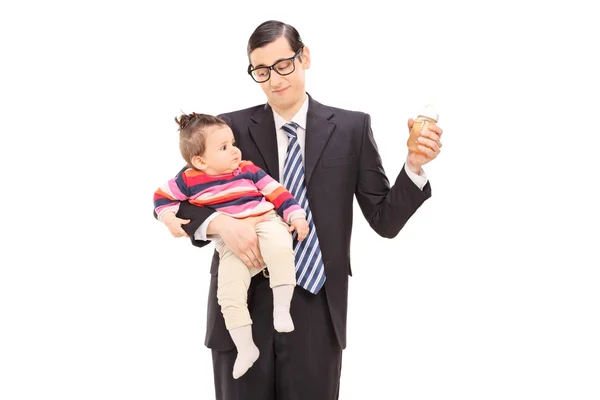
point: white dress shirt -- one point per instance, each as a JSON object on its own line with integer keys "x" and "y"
{"x": 282, "y": 144}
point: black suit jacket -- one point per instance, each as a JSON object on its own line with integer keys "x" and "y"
{"x": 341, "y": 162}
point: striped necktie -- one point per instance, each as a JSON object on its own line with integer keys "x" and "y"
{"x": 310, "y": 272}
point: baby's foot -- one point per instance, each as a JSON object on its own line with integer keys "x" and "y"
{"x": 244, "y": 360}
{"x": 282, "y": 321}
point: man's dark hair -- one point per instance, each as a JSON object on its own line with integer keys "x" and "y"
{"x": 270, "y": 31}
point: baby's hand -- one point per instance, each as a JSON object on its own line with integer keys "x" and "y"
{"x": 174, "y": 224}
{"x": 301, "y": 227}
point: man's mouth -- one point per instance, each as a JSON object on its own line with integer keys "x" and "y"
{"x": 278, "y": 91}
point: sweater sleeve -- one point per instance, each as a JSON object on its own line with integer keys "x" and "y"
{"x": 285, "y": 203}
{"x": 169, "y": 195}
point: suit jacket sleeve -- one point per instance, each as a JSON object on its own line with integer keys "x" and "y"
{"x": 387, "y": 209}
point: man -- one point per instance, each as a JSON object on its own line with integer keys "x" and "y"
{"x": 325, "y": 156}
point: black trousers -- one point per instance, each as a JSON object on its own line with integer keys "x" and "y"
{"x": 301, "y": 365}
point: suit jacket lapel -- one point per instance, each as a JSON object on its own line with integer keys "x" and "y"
{"x": 319, "y": 126}
{"x": 262, "y": 130}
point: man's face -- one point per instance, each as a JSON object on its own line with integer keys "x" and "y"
{"x": 283, "y": 92}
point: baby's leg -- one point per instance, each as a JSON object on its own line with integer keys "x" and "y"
{"x": 275, "y": 244}
{"x": 232, "y": 295}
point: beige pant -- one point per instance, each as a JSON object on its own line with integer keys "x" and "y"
{"x": 275, "y": 243}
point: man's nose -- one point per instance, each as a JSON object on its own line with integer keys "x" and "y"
{"x": 275, "y": 79}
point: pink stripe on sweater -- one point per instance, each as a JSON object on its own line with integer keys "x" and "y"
{"x": 291, "y": 209}
{"x": 175, "y": 190}
{"x": 245, "y": 209}
{"x": 270, "y": 187}
{"x": 242, "y": 185}
{"x": 172, "y": 206}
{"x": 264, "y": 182}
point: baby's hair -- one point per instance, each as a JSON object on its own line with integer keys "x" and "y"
{"x": 192, "y": 134}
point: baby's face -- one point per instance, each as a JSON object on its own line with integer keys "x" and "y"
{"x": 221, "y": 155}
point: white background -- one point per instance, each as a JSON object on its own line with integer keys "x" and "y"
{"x": 491, "y": 291}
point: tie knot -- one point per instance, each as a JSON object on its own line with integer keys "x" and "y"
{"x": 290, "y": 129}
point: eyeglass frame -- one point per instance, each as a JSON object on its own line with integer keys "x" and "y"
{"x": 272, "y": 67}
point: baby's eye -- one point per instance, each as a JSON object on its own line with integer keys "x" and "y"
{"x": 223, "y": 147}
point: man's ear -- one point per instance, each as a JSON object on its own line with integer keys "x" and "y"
{"x": 305, "y": 58}
{"x": 199, "y": 163}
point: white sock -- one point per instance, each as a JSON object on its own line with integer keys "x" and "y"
{"x": 247, "y": 350}
{"x": 282, "y": 298}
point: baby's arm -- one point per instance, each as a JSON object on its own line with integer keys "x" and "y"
{"x": 166, "y": 203}
{"x": 284, "y": 202}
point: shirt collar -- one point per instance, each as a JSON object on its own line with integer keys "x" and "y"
{"x": 299, "y": 118}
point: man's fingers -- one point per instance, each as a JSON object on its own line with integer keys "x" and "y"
{"x": 291, "y": 228}
{"x": 433, "y": 135}
{"x": 249, "y": 258}
{"x": 436, "y": 129}
{"x": 246, "y": 260}
{"x": 255, "y": 257}
{"x": 432, "y": 144}
{"x": 427, "y": 151}
{"x": 259, "y": 259}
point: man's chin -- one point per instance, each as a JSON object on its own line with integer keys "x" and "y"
{"x": 282, "y": 102}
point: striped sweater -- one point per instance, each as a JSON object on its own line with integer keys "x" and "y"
{"x": 248, "y": 191}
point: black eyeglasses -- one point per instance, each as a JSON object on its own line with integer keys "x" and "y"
{"x": 282, "y": 67}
